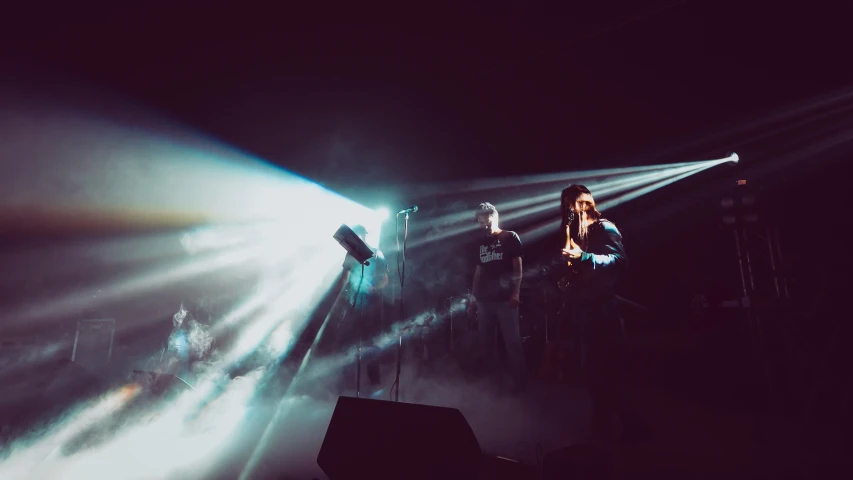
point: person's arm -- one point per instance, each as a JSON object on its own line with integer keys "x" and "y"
{"x": 606, "y": 265}
{"x": 475, "y": 286}
{"x": 517, "y": 274}
{"x": 515, "y": 297}
{"x": 517, "y": 271}
{"x": 613, "y": 255}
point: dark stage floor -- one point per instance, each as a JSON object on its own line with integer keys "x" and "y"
{"x": 696, "y": 438}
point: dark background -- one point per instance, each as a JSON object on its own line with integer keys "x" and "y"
{"x": 362, "y": 98}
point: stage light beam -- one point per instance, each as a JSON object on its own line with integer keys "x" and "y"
{"x": 733, "y": 158}
{"x": 382, "y": 214}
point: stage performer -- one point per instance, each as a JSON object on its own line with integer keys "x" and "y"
{"x": 496, "y": 293}
{"x": 595, "y": 258}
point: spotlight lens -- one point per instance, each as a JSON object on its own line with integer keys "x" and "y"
{"x": 727, "y": 202}
{"x": 734, "y": 158}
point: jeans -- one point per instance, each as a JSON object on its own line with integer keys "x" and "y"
{"x": 492, "y": 315}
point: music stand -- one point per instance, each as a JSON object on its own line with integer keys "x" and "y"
{"x": 359, "y": 250}
{"x": 91, "y": 326}
{"x": 354, "y": 245}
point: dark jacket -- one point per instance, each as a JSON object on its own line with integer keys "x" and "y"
{"x": 603, "y": 260}
{"x": 592, "y": 310}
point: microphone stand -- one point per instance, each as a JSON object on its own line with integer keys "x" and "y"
{"x": 360, "y": 310}
{"x": 402, "y": 311}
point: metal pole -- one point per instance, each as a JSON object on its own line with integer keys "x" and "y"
{"x": 76, "y": 338}
{"x": 778, "y": 244}
{"x": 112, "y": 336}
{"x": 748, "y": 257}
{"x": 773, "y": 267}
{"x": 740, "y": 260}
{"x": 402, "y": 310}
{"x": 359, "y": 311}
{"x": 450, "y": 315}
{"x": 358, "y": 370}
{"x": 757, "y": 360}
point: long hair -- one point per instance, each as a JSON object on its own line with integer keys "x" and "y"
{"x": 579, "y": 227}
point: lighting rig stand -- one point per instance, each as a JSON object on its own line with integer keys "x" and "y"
{"x": 764, "y": 286}
{"x": 764, "y": 300}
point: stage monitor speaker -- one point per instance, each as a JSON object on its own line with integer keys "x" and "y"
{"x": 378, "y": 439}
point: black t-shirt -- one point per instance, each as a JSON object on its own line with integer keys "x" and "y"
{"x": 494, "y": 256}
{"x": 372, "y": 275}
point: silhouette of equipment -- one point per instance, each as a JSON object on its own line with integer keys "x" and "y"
{"x": 381, "y": 440}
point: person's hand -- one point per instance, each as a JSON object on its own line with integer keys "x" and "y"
{"x": 514, "y": 300}
{"x": 472, "y": 312}
{"x": 573, "y": 253}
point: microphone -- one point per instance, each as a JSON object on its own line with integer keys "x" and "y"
{"x": 412, "y": 209}
{"x": 569, "y": 218}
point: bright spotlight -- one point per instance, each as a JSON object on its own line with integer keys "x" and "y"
{"x": 382, "y": 213}
{"x": 733, "y": 158}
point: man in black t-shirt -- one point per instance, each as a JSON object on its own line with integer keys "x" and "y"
{"x": 496, "y": 290}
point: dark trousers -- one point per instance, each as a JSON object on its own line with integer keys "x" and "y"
{"x": 494, "y": 315}
{"x": 591, "y": 332}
